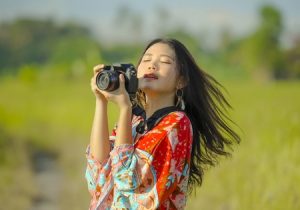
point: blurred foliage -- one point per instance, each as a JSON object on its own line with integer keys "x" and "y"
{"x": 25, "y": 41}
{"x": 292, "y": 58}
{"x": 260, "y": 53}
{"x": 42, "y": 42}
{"x": 70, "y": 50}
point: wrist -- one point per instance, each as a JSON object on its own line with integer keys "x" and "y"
{"x": 125, "y": 108}
{"x": 100, "y": 102}
{"x": 125, "y": 104}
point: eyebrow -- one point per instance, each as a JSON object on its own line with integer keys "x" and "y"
{"x": 149, "y": 54}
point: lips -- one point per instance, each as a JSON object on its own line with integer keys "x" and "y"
{"x": 150, "y": 76}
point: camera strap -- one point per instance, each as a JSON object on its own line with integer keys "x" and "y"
{"x": 148, "y": 124}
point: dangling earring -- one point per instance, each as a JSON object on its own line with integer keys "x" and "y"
{"x": 180, "y": 102}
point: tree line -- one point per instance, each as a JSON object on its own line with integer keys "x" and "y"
{"x": 41, "y": 43}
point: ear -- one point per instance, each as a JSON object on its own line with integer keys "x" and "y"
{"x": 181, "y": 83}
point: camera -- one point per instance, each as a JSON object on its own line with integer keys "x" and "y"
{"x": 108, "y": 78}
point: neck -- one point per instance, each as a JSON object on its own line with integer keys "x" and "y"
{"x": 157, "y": 102}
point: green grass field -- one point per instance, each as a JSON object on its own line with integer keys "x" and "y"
{"x": 55, "y": 117}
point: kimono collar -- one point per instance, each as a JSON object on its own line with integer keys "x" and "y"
{"x": 148, "y": 124}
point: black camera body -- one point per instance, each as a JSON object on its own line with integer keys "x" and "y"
{"x": 108, "y": 78}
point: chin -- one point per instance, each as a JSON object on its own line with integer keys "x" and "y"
{"x": 143, "y": 86}
{"x": 148, "y": 89}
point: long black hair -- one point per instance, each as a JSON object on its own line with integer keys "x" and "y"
{"x": 206, "y": 107}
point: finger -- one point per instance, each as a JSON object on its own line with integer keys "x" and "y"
{"x": 122, "y": 80}
{"x": 106, "y": 95}
{"x": 93, "y": 80}
{"x": 98, "y": 68}
{"x": 93, "y": 83}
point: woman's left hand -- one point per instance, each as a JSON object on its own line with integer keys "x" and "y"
{"x": 119, "y": 96}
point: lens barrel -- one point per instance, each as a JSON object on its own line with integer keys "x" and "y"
{"x": 107, "y": 80}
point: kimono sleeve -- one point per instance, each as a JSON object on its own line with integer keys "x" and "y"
{"x": 96, "y": 169}
{"x": 96, "y": 172}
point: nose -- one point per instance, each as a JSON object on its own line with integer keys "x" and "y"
{"x": 152, "y": 66}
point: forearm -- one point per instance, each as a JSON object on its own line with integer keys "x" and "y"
{"x": 124, "y": 135}
{"x": 99, "y": 140}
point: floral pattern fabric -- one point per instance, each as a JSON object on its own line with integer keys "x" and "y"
{"x": 150, "y": 174}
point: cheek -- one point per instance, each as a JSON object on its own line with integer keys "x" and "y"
{"x": 173, "y": 82}
{"x": 139, "y": 71}
{"x": 170, "y": 81}
{"x": 171, "y": 74}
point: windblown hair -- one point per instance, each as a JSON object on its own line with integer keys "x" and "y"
{"x": 206, "y": 107}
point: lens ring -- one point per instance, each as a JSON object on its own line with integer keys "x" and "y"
{"x": 102, "y": 80}
{"x": 108, "y": 80}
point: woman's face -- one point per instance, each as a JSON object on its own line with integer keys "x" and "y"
{"x": 157, "y": 71}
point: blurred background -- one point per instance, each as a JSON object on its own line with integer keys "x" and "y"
{"x": 48, "y": 50}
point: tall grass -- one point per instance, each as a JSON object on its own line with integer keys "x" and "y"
{"x": 263, "y": 172}
{"x": 56, "y": 116}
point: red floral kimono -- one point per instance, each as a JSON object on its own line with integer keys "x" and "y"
{"x": 150, "y": 174}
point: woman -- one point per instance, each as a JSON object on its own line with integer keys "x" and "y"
{"x": 152, "y": 161}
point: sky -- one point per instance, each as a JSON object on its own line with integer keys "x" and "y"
{"x": 206, "y": 17}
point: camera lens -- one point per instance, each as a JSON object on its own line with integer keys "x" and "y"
{"x": 103, "y": 82}
{"x": 107, "y": 81}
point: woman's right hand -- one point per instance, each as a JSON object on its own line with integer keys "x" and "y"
{"x": 119, "y": 96}
{"x": 97, "y": 92}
